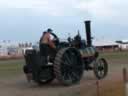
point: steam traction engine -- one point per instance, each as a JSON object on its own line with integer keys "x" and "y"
{"x": 67, "y": 62}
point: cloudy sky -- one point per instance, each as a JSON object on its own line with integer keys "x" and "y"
{"x": 25, "y": 20}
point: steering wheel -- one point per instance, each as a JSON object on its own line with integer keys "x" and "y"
{"x": 55, "y": 39}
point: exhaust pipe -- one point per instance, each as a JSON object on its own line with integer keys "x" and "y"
{"x": 88, "y": 33}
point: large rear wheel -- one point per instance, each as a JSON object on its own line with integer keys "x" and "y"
{"x": 68, "y": 66}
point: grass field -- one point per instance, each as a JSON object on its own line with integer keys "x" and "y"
{"x": 123, "y": 55}
{"x": 10, "y": 68}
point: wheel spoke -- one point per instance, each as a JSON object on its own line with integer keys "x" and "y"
{"x": 67, "y": 59}
{"x": 77, "y": 68}
{"x": 70, "y": 55}
{"x": 75, "y": 75}
{"x": 100, "y": 73}
{"x": 66, "y": 63}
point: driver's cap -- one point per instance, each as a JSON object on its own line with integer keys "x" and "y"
{"x": 49, "y": 30}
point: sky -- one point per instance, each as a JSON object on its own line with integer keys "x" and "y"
{"x": 25, "y": 20}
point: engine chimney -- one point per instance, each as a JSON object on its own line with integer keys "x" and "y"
{"x": 88, "y": 33}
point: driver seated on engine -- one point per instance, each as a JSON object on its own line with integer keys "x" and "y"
{"x": 45, "y": 43}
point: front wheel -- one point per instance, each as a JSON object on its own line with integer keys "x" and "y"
{"x": 100, "y": 68}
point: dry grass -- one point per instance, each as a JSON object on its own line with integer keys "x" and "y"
{"x": 112, "y": 89}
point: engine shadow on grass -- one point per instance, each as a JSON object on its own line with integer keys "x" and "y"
{"x": 29, "y": 85}
{"x": 23, "y": 84}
